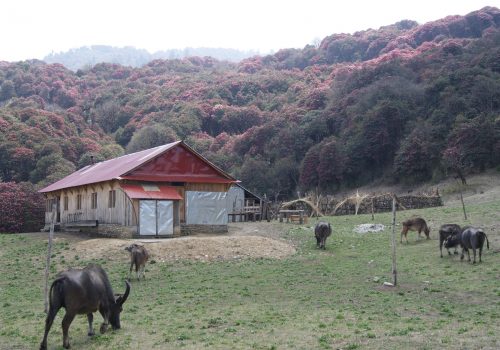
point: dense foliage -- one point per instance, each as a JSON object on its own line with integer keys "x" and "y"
{"x": 21, "y": 208}
{"x": 405, "y": 102}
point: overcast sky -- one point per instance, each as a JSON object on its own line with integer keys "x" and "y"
{"x": 35, "y": 28}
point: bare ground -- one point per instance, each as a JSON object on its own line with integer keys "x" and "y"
{"x": 244, "y": 240}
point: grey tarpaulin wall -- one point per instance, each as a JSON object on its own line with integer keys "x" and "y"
{"x": 156, "y": 217}
{"x": 235, "y": 201}
{"x": 206, "y": 208}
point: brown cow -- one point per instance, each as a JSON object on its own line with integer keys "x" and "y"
{"x": 415, "y": 224}
{"x": 139, "y": 257}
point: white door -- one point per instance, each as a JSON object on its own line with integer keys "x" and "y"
{"x": 165, "y": 217}
{"x": 147, "y": 217}
{"x": 156, "y": 218}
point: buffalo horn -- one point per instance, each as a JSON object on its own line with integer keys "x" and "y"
{"x": 122, "y": 299}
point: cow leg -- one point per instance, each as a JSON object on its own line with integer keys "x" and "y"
{"x": 130, "y": 271}
{"x": 105, "y": 323}
{"x": 90, "y": 318}
{"x": 318, "y": 242}
{"x": 462, "y": 255}
{"x": 474, "y": 252}
{"x": 144, "y": 271}
{"x": 480, "y": 253}
{"x": 66, "y": 322}
{"x": 468, "y": 254}
{"x": 441, "y": 247}
{"x": 48, "y": 323}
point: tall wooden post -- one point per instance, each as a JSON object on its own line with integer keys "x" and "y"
{"x": 373, "y": 217}
{"x": 463, "y": 204}
{"x": 394, "y": 271}
{"x": 49, "y": 253}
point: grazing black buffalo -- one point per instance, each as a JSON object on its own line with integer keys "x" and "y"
{"x": 84, "y": 291}
{"x": 321, "y": 231}
{"x": 446, "y": 231}
{"x": 415, "y": 224}
{"x": 470, "y": 238}
{"x": 138, "y": 257}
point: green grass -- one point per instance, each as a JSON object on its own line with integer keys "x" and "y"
{"x": 311, "y": 300}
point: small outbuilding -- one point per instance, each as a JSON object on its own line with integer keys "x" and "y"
{"x": 243, "y": 205}
{"x": 166, "y": 191}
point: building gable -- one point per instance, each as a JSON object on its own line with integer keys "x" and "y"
{"x": 178, "y": 164}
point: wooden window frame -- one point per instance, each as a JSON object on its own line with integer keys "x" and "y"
{"x": 112, "y": 199}
{"x": 93, "y": 200}
{"x": 78, "y": 201}
{"x": 66, "y": 203}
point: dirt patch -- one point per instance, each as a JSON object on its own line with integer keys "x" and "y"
{"x": 244, "y": 241}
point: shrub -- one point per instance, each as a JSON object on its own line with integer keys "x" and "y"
{"x": 21, "y": 207}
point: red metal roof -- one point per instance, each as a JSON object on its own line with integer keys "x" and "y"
{"x": 183, "y": 164}
{"x": 146, "y": 191}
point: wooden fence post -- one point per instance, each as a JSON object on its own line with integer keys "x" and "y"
{"x": 462, "y": 200}
{"x": 49, "y": 253}
{"x": 394, "y": 271}
{"x": 373, "y": 217}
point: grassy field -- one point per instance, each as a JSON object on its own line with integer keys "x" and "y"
{"x": 331, "y": 299}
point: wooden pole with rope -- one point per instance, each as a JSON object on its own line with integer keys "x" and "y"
{"x": 394, "y": 271}
{"x": 49, "y": 254}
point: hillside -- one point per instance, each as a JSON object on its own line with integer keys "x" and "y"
{"x": 405, "y": 103}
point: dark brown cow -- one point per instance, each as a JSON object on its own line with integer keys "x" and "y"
{"x": 83, "y": 291}
{"x": 415, "y": 224}
{"x": 446, "y": 231}
{"x": 470, "y": 238}
{"x": 321, "y": 231}
{"x": 139, "y": 256}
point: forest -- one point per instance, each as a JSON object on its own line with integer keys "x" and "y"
{"x": 405, "y": 103}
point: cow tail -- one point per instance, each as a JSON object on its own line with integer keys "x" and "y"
{"x": 487, "y": 242}
{"x": 58, "y": 286}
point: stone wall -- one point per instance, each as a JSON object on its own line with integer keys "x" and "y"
{"x": 105, "y": 230}
{"x": 381, "y": 203}
{"x": 195, "y": 229}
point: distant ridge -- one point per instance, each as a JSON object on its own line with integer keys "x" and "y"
{"x": 89, "y": 56}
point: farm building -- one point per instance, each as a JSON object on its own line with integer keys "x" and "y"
{"x": 243, "y": 205}
{"x": 169, "y": 190}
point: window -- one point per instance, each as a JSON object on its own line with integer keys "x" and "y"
{"x": 78, "y": 201}
{"x": 93, "y": 200}
{"x": 49, "y": 204}
{"x": 66, "y": 201}
{"x": 112, "y": 199}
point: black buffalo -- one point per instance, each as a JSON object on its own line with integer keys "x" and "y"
{"x": 84, "y": 291}
{"x": 321, "y": 231}
{"x": 470, "y": 238}
{"x": 446, "y": 231}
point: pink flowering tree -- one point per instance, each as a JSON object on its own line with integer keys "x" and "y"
{"x": 21, "y": 207}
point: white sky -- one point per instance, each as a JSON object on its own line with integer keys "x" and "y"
{"x": 35, "y": 28}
